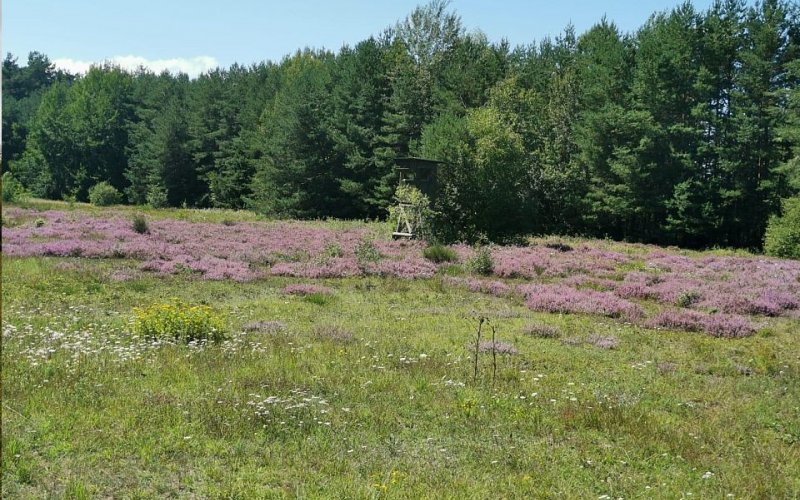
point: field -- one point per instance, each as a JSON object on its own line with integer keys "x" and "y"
{"x": 351, "y": 366}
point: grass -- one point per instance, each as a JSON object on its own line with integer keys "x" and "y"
{"x": 380, "y": 374}
{"x": 211, "y": 215}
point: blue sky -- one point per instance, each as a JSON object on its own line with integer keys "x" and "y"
{"x": 194, "y": 35}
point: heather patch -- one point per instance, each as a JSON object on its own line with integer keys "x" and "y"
{"x": 564, "y": 299}
{"x": 603, "y": 341}
{"x": 718, "y": 325}
{"x": 613, "y": 280}
{"x": 410, "y": 268}
{"x": 541, "y": 330}
{"x": 383, "y": 379}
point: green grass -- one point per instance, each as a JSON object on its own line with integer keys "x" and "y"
{"x": 210, "y": 215}
{"x": 393, "y": 412}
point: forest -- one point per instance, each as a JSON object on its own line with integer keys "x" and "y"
{"x": 685, "y": 132}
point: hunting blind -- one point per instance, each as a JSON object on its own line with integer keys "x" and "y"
{"x": 420, "y": 173}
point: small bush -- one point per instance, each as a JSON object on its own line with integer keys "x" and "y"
{"x": 180, "y": 322}
{"x": 140, "y": 224}
{"x": 541, "y": 331}
{"x": 297, "y": 256}
{"x": 782, "y": 238}
{"x": 557, "y": 245}
{"x": 157, "y": 197}
{"x": 481, "y": 262}
{"x": 13, "y": 190}
{"x": 104, "y": 194}
{"x": 604, "y": 342}
{"x": 318, "y": 299}
{"x": 366, "y": 253}
{"x": 688, "y": 299}
{"x": 333, "y": 250}
{"x": 440, "y": 253}
{"x": 39, "y": 222}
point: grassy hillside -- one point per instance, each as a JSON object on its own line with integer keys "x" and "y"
{"x": 365, "y": 381}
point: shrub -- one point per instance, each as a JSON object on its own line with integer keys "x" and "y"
{"x": 318, "y": 299}
{"x": 333, "y": 250}
{"x": 557, "y": 245}
{"x": 179, "y": 321}
{"x": 688, "y": 299}
{"x": 782, "y": 238}
{"x": 440, "y": 253}
{"x": 541, "y": 331}
{"x": 39, "y": 222}
{"x": 157, "y": 197}
{"x": 104, "y": 194}
{"x": 13, "y": 190}
{"x": 140, "y": 224}
{"x": 481, "y": 262}
{"x": 366, "y": 253}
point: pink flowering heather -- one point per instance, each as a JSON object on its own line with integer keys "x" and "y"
{"x": 213, "y": 251}
{"x": 590, "y": 278}
{"x": 541, "y": 330}
{"x": 563, "y": 299}
{"x": 409, "y": 268}
{"x": 306, "y": 289}
{"x": 718, "y": 325}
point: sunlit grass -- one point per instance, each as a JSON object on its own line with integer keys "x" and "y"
{"x": 370, "y": 391}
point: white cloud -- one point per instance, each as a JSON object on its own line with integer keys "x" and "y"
{"x": 192, "y": 66}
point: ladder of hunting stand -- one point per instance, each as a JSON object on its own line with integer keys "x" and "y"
{"x": 420, "y": 173}
{"x": 405, "y": 228}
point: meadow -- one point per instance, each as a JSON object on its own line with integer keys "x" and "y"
{"x": 348, "y": 365}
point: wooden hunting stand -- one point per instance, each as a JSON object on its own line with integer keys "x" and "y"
{"x": 420, "y": 173}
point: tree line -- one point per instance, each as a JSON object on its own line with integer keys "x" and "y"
{"x": 686, "y": 131}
